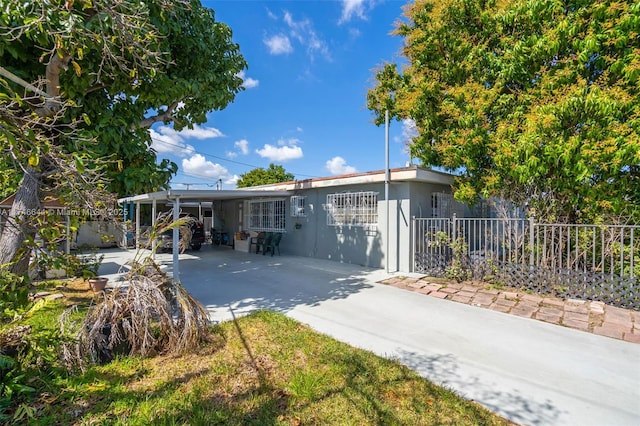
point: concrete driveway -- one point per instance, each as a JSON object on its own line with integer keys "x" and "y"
{"x": 525, "y": 370}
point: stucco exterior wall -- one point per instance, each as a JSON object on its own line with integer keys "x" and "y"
{"x": 354, "y": 244}
{"x": 386, "y": 244}
{"x": 348, "y": 244}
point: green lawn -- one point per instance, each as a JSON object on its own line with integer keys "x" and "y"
{"x": 264, "y": 369}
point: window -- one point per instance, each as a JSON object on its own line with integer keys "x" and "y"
{"x": 352, "y": 208}
{"x": 266, "y": 215}
{"x": 298, "y": 206}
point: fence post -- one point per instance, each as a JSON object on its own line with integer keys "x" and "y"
{"x": 414, "y": 239}
{"x": 453, "y": 231}
{"x": 532, "y": 223}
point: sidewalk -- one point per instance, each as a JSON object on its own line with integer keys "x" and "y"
{"x": 590, "y": 316}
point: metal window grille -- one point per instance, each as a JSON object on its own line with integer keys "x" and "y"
{"x": 352, "y": 208}
{"x": 266, "y": 215}
{"x": 298, "y": 206}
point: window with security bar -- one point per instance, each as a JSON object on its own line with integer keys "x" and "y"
{"x": 352, "y": 208}
{"x": 298, "y": 206}
{"x": 266, "y": 215}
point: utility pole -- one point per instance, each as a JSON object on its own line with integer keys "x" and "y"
{"x": 386, "y": 182}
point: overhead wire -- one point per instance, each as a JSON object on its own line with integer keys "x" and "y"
{"x": 221, "y": 159}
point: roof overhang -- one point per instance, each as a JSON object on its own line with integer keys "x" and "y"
{"x": 404, "y": 174}
{"x": 205, "y": 195}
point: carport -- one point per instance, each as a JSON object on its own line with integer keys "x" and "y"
{"x": 176, "y": 198}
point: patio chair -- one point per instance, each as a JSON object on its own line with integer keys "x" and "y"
{"x": 266, "y": 242}
{"x": 275, "y": 243}
{"x": 256, "y": 239}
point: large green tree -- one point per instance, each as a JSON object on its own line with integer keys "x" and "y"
{"x": 261, "y": 176}
{"x": 533, "y": 100}
{"x": 82, "y": 83}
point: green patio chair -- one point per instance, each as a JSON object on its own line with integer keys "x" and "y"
{"x": 275, "y": 243}
{"x": 266, "y": 242}
{"x": 256, "y": 240}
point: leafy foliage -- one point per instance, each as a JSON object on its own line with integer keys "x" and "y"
{"x": 82, "y": 83}
{"x": 260, "y": 176}
{"x": 11, "y": 385}
{"x": 533, "y": 100}
{"x": 131, "y": 64}
{"x": 9, "y": 178}
{"x": 27, "y": 351}
{"x": 14, "y": 296}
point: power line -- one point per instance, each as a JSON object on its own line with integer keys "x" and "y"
{"x": 222, "y": 158}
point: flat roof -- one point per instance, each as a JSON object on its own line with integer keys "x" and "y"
{"x": 201, "y": 195}
{"x": 284, "y": 189}
{"x": 403, "y": 174}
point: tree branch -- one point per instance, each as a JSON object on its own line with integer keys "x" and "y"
{"x": 164, "y": 117}
{"x": 56, "y": 65}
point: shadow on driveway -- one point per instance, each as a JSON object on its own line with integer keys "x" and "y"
{"x": 528, "y": 371}
{"x": 223, "y": 279}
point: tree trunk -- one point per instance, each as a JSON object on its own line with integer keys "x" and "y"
{"x": 14, "y": 253}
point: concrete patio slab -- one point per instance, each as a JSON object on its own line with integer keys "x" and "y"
{"x": 526, "y": 370}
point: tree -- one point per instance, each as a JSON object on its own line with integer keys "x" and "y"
{"x": 84, "y": 81}
{"x": 260, "y": 176}
{"x": 536, "y": 101}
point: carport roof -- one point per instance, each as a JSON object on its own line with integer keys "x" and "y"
{"x": 201, "y": 195}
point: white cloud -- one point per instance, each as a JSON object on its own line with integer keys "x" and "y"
{"x": 171, "y": 144}
{"x": 354, "y": 33}
{"x": 232, "y": 180}
{"x": 284, "y": 151}
{"x": 248, "y": 82}
{"x": 243, "y": 146}
{"x": 304, "y": 32}
{"x": 288, "y": 142}
{"x": 167, "y": 141}
{"x": 279, "y": 44}
{"x": 338, "y": 166}
{"x": 409, "y": 129}
{"x": 198, "y": 166}
{"x": 352, "y": 8}
{"x": 271, "y": 15}
{"x": 199, "y": 132}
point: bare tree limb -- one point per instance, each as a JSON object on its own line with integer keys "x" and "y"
{"x": 163, "y": 116}
{"x": 57, "y": 64}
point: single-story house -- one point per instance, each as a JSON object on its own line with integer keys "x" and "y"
{"x": 347, "y": 218}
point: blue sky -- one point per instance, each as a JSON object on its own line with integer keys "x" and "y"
{"x": 304, "y": 107}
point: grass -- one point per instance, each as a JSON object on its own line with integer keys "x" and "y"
{"x": 263, "y": 369}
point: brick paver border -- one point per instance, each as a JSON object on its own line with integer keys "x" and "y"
{"x": 590, "y": 316}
